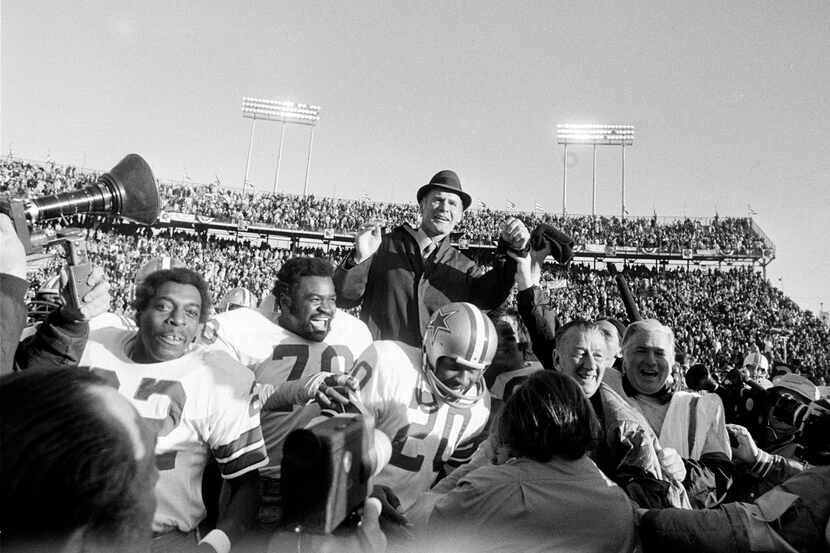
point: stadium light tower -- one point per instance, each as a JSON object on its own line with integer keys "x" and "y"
{"x": 284, "y": 112}
{"x": 594, "y": 135}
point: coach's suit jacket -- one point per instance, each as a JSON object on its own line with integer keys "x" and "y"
{"x": 391, "y": 283}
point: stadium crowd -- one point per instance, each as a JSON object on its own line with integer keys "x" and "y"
{"x": 729, "y": 234}
{"x": 492, "y": 403}
{"x": 343, "y": 215}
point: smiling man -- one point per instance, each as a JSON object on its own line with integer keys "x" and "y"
{"x": 200, "y": 403}
{"x": 430, "y": 401}
{"x": 628, "y": 452}
{"x": 401, "y": 278}
{"x": 303, "y": 350}
{"x": 581, "y": 354}
{"x": 690, "y": 423}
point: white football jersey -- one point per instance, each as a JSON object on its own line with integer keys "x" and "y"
{"x": 277, "y": 355}
{"x": 426, "y": 432}
{"x": 201, "y": 404}
{"x": 111, "y": 320}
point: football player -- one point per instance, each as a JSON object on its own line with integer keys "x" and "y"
{"x": 125, "y": 321}
{"x": 430, "y": 401}
{"x": 303, "y": 351}
{"x": 199, "y": 401}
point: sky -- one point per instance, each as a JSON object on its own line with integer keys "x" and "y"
{"x": 729, "y": 99}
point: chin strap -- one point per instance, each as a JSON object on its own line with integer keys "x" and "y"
{"x": 663, "y": 395}
{"x": 447, "y": 394}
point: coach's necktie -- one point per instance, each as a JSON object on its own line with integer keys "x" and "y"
{"x": 423, "y": 312}
{"x": 428, "y": 249}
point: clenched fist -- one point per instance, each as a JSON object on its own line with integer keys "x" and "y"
{"x": 515, "y": 233}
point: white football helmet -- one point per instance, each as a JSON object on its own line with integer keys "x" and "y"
{"x": 236, "y": 298}
{"x": 159, "y": 263}
{"x": 463, "y": 333}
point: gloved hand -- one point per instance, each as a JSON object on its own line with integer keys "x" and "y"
{"x": 561, "y": 245}
{"x": 325, "y": 388}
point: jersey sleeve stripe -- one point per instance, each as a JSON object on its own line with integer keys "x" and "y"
{"x": 243, "y": 441}
{"x": 239, "y": 453}
{"x": 245, "y": 463}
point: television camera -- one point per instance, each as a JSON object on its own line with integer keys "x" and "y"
{"x": 325, "y": 474}
{"x": 128, "y": 190}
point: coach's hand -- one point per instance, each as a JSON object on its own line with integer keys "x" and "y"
{"x": 515, "y": 233}
{"x": 366, "y": 241}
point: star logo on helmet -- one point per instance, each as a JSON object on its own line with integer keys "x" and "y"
{"x": 439, "y": 324}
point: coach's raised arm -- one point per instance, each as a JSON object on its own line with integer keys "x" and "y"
{"x": 401, "y": 278}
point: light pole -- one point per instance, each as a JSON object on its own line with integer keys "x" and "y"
{"x": 284, "y": 112}
{"x": 596, "y": 135}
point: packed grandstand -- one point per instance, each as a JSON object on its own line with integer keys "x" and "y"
{"x": 702, "y": 277}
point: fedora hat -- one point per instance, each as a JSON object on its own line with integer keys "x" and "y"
{"x": 446, "y": 180}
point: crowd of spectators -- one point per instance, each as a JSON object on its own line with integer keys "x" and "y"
{"x": 717, "y": 315}
{"x": 479, "y": 226}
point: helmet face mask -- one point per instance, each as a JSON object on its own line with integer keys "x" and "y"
{"x": 463, "y": 335}
{"x": 39, "y": 309}
{"x": 47, "y": 300}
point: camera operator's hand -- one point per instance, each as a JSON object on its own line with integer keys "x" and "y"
{"x": 746, "y": 451}
{"x": 12, "y": 254}
{"x": 94, "y": 303}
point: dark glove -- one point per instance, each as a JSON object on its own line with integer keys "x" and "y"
{"x": 561, "y": 245}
